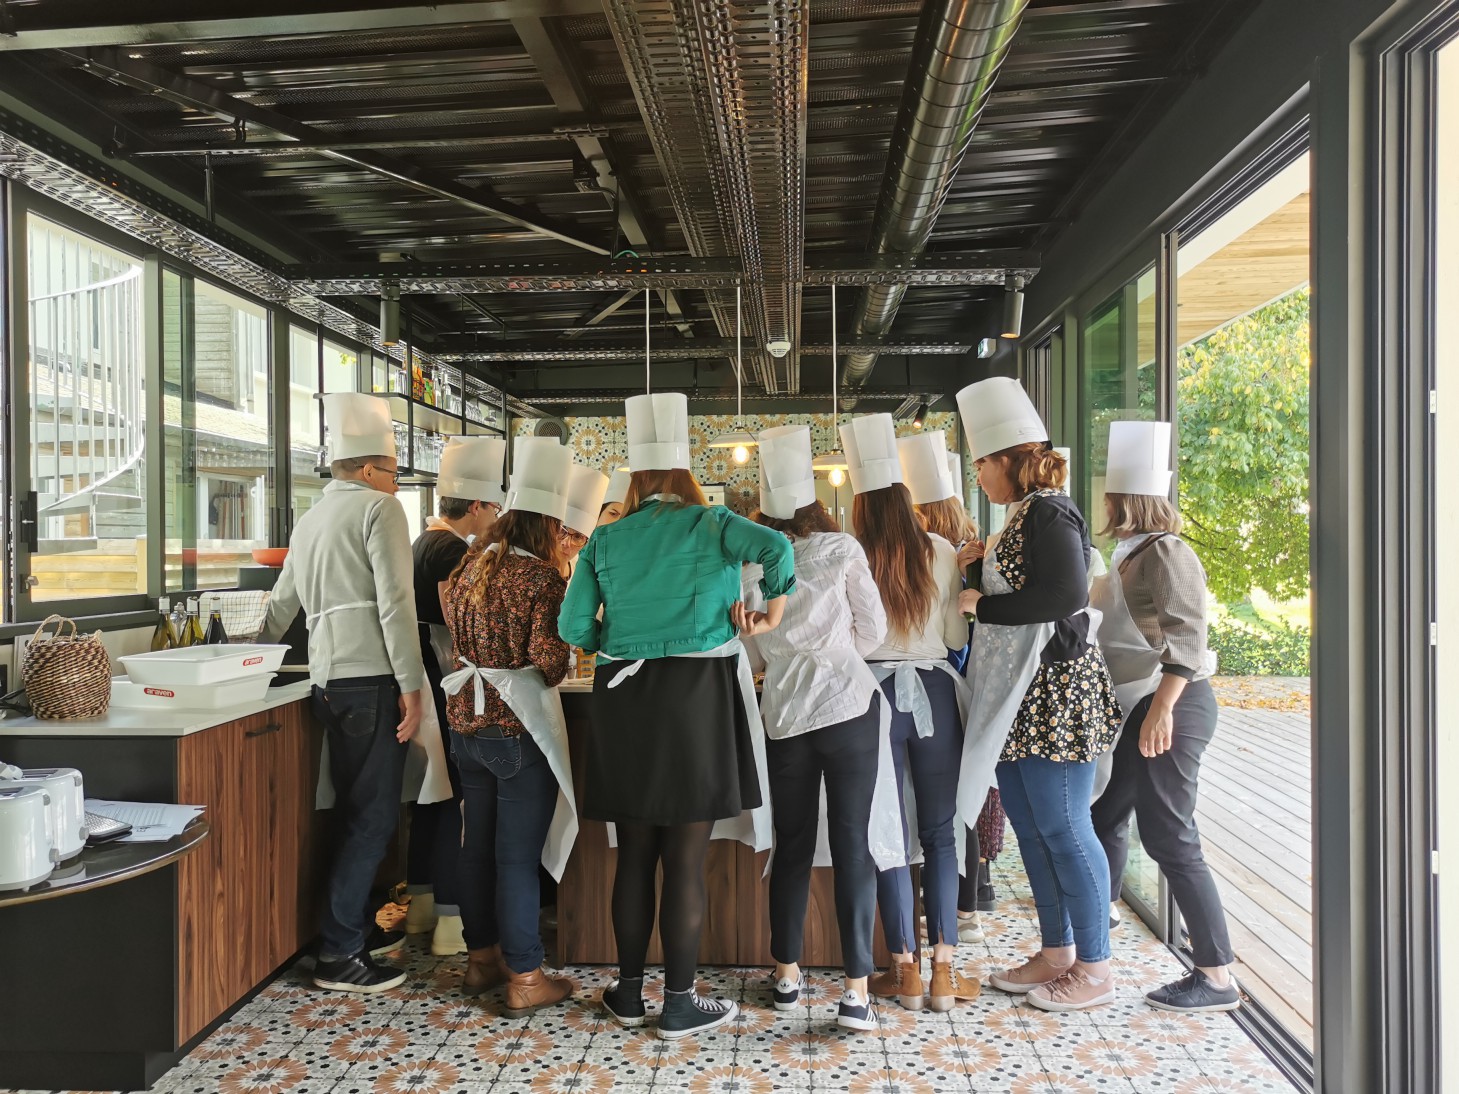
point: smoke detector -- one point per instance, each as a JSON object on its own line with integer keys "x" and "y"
{"x": 778, "y": 348}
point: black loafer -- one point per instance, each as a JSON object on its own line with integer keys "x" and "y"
{"x": 1195, "y": 994}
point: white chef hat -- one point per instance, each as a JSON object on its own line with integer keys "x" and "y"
{"x": 871, "y": 452}
{"x": 540, "y": 467}
{"x": 585, "y": 490}
{"x": 997, "y": 414}
{"x": 618, "y": 486}
{"x": 471, "y": 469}
{"x": 787, "y": 480}
{"x": 1139, "y": 459}
{"x": 359, "y": 425}
{"x": 955, "y": 469}
{"x": 658, "y": 431}
{"x": 924, "y": 466}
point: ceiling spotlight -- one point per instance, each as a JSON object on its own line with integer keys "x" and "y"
{"x": 1013, "y": 307}
{"x": 389, "y": 315}
{"x": 921, "y": 416}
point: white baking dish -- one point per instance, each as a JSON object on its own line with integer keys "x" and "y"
{"x": 230, "y": 693}
{"x": 202, "y": 664}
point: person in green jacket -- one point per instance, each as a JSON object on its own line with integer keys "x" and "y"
{"x": 674, "y": 740}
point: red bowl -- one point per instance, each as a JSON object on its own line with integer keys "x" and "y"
{"x": 270, "y": 556}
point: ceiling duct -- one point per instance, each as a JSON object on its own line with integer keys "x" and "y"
{"x": 960, "y": 46}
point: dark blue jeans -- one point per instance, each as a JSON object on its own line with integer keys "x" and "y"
{"x": 935, "y": 763}
{"x": 1047, "y": 803}
{"x": 366, "y": 764}
{"x": 511, "y": 795}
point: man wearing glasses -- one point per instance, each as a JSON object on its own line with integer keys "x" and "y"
{"x": 349, "y": 570}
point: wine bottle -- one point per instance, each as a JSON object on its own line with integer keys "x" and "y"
{"x": 162, "y": 636}
{"x": 217, "y": 635}
{"x": 194, "y": 625}
{"x": 178, "y": 620}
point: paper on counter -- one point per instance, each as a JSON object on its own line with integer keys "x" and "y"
{"x": 152, "y": 822}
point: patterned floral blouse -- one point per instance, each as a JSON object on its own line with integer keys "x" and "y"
{"x": 515, "y": 626}
{"x": 1069, "y": 713}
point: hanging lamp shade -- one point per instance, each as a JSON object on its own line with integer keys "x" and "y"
{"x": 737, "y": 438}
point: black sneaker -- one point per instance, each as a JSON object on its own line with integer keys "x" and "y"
{"x": 687, "y": 1012}
{"x": 1194, "y": 993}
{"x": 625, "y": 1005}
{"x": 987, "y": 899}
{"x": 358, "y": 974}
{"x": 1115, "y": 917}
{"x": 787, "y": 993}
{"x": 379, "y": 942}
{"x": 856, "y": 1013}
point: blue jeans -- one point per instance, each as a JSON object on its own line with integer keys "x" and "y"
{"x": 1047, "y": 803}
{"x": 366, "y": 765}
{"x": 510, "y": 794}
{"x": 935, "y": 764}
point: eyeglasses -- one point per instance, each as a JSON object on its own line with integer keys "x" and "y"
{"x": 394, "y": 475}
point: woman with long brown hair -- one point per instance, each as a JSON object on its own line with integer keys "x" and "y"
{"x": 676, "y": 755}
{"x": 1044, "y": 704}
{"x": 917, "y": 577}
{"x": 501, "y": 608}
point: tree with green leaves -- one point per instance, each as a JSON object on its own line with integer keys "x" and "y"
{"x": 1243, "y": 395}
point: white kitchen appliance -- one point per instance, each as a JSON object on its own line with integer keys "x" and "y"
{"x": 193, "y": 665}
{"x": 26, "y": 856}
{"x": 67, "y": 824}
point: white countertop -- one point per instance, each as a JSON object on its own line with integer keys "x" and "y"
{"x": 136, "y": 722}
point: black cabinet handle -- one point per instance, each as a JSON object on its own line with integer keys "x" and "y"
{"x": 272, "y": 727}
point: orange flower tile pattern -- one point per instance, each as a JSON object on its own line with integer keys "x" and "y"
{"x": 427, "y": 1037}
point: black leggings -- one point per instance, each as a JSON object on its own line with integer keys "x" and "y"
{"x": 681, "y": 848}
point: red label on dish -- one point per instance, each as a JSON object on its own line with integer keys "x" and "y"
{"x": 162, "y": 692}
{"x": 253, "y": 661}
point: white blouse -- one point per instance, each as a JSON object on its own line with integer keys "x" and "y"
{"x": 945, "y": 627}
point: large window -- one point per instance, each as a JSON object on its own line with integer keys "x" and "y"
{"x": 85, "y": 411}
{"x": 217, "y": 441}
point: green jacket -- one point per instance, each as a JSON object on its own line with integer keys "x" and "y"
{"x": 666, "y": 577}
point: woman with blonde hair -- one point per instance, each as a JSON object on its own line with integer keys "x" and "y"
{"x": 1154, "y": 638}
{"x": 677, "y": 746}
{"x": 1044, "y": 706}
{"x": 917, "y": 578}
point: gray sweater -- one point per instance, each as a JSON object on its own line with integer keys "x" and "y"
{"x": 349, "y": 567}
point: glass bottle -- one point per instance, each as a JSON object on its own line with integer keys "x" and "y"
{"x": 217, "y": 635}
{"x": 194, "y": 625}
{"x": 162, "y": 636}
{"x": 178, "y": 621}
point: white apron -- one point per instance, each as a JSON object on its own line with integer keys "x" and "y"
{"x": 1002, "y": 663}
{"x": 539, "y": 707}
{"x": 752, "y": 827}
{"x": 427, "y": 779}
{"x": 912, "y": 699}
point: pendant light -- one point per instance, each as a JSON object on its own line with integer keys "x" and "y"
{"x": 737, "y": 438}
{"x": 833, "y": 462}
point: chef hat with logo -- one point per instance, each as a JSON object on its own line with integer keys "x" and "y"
{"x": 471, "y": 469}
{"x": 658, "y": 431}
{"x": 618, "y": 486}
{"x": 997, "y": 414}
{"x": 1139, "y": 459}
{"x": 540, "y": 468}
{"x": 871, "y": 452}
{"x": 924, "y": 467}
{"x": 787, "y": 480}
{"x": 585, "y": 490}
{"x": 359, "y": 425}
{"x": 955, "y": 469}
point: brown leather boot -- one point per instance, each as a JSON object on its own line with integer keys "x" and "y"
{"x": 529, "y": 992}
{"x": 485, "y": 970}
{"x": 902, "y": 981}
{"x": 949, "y": 986}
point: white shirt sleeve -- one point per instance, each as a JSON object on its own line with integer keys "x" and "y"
{"x": 949, "y": 586}
{"x": 868, "y": 615}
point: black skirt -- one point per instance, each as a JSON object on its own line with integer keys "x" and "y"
{"x": 670, "y": 744}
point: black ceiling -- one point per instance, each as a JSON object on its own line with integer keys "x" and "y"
{"x": 495, "y": 132}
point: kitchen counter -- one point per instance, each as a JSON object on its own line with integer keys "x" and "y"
{"x": 146, "y": 722}
{"x": 108, "y": 864}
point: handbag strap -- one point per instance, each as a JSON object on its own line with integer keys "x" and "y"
{"x": 1138, "y": 551}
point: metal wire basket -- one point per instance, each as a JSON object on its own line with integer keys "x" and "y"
{"x": 243, "y": 612}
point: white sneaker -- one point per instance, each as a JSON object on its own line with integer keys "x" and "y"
{"x": 420, "y": 914}
{"x": 448, "y": 939}
{"x": 970, "y": 928}
{"x": 856, "y": 1013}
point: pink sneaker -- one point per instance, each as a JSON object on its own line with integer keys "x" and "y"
{"x": 1075, "y": 990}
{"x": 1033, "y": 973}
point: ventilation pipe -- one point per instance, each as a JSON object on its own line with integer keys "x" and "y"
{"x": 960, "y": 46}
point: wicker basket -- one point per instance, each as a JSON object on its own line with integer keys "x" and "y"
{"x": 66, "y": 675}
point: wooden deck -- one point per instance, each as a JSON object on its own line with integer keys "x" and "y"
{"x": 1255, "y": 816}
